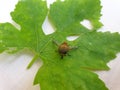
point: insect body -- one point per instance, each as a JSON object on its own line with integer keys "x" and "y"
{"x": 63, "y": 48}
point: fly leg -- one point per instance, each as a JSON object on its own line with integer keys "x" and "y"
{"x": 56, "y": 43}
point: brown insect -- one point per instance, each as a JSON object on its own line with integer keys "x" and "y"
{"x": 63, "y": 49}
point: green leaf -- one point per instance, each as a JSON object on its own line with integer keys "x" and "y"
{"x": 31, "y": 21}
{"x": 75, "y": 71}
{"x": 61, "y": 78}
{"x": 63, "y": 14}
{"x": 10, "y": 38}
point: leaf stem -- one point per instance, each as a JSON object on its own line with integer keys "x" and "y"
{"x": 32, "y": 61}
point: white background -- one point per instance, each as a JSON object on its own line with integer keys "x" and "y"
{"x": 13, "y": 72}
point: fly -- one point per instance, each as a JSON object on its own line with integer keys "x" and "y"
{"x": 64, "y": 48}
